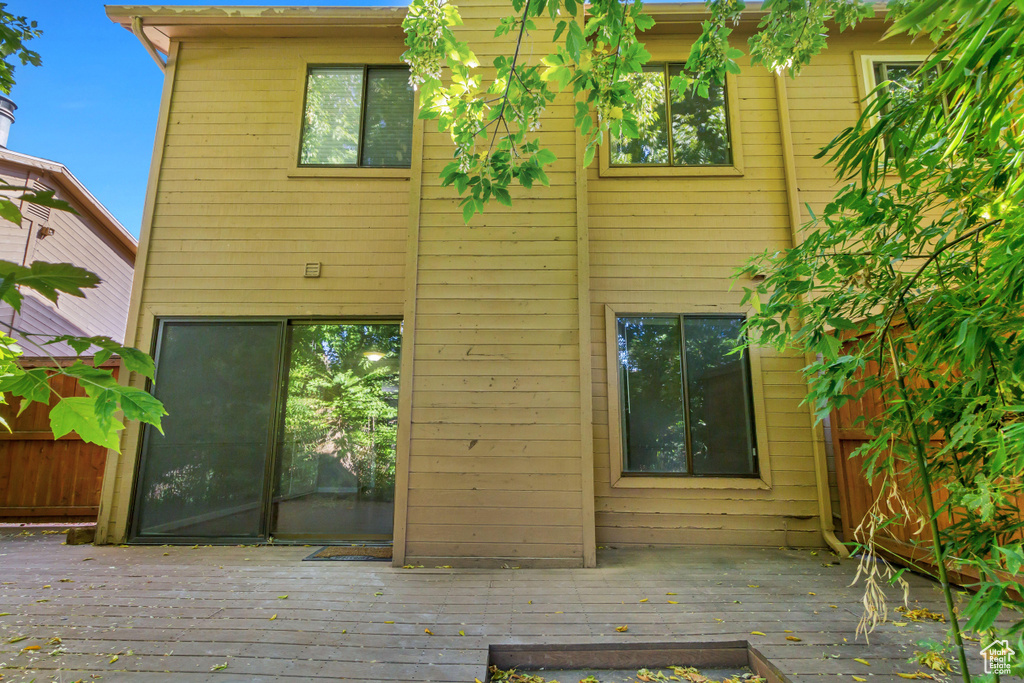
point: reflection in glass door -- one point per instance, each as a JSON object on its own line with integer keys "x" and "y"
{"x": 335, "y": 476}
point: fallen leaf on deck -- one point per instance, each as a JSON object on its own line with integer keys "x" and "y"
{"x": 273, "y": 617}
{"x": 219, "y": 667}
{"x": 408, "y": 566}
{"x": 31, "y": 647}
{"x": 621, "y": 629}
{"x": 428, "y": 631}
{"x": 916, "y": 675}
{"x": 389, "y": 622}
{"x": 378, "y": 593}
{"x": 859, "y": 679}
{"x": 899, "y": 623}
{"x": 17, "y": 639}
{"x": 935, "y": 661}
{"x": 114, "y": 659}
{"x": 669, "y": 593}
{"x": 810, "y": 593}
{"x": 67, "y": 580}
{"x": 462, "y": 633}
{"x": 673, "y": 602}
{"x": 282, "y": 597}
{"x": 756, "y": 633}
{"x": 920, "y": 614}
{"x": 862, "y": 661}
{"x": 752, "y": 585}
{"x": 54, "y": 641}
{"x": 794, "y": 639}
{"x": 643, "y": 600}
{"x": 5, "y": 614}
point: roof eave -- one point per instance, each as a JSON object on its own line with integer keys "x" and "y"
{"x": 74, "y": 188}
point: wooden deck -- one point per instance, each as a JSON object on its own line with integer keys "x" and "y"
{"x": 175, "y": 613}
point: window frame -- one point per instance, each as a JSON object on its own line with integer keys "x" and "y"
{"x": 153, "y": 326}
{"x": 866, "y": 62}
{"x": 300, "y": 170}
{"x": 619, "y": 477}
{"x": 733, "y": 126}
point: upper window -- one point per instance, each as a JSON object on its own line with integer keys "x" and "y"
{"x": 686, "y": 400}
{"x": 905, "y": 80}
{"x": 674, "y": 131}
{"x": 357, "y": 116}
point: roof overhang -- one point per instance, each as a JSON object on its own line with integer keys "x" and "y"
{"x": 162, "y": 25}
{"x": 58, "y": 175}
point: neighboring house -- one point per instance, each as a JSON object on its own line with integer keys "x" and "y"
{"x": 92, "y": 239}
{"x": 42, "y": 479}
{"x": 343, "y": 358}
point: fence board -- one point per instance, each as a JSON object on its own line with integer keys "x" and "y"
{"x": 46, "y": 479}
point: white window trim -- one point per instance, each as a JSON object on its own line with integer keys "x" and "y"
{"x": 615, "y": 455}
{"x": 732, "y": 105}
{"x": 865, "y": 66}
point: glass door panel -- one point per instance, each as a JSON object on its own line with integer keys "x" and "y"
{"x": 335, "y": 476}
{"x": 204, "y": 477}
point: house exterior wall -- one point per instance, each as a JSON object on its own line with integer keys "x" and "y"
{"x": 506, "y": 448}
{"x": 77, "y": 239}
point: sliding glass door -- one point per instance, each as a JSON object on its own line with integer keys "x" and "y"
{"x": 205, "y": 476}
{"x": 335, "y": 476}
{"x": 274, "y": 428}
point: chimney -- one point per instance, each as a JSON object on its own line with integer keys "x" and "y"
{"x": 7, "y": 107}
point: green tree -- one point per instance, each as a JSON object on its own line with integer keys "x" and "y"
{"x": 92, "y": 416}
{"x": 910, "y": 283}
{"x": 342, "y": 405}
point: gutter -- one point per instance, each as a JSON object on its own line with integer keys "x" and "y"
{"x": 146, "y": 43}
{"x": 828, "y": 532}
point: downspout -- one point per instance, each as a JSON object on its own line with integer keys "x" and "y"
{"x": 146, "y": 43}
{"x": 820, "y": 462}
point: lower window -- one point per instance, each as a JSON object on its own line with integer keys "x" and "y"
{"x": 686, "y": 399}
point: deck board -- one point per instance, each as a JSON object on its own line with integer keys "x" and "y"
{"x": 183, "y": 610}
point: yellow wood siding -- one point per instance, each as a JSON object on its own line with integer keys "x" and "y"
{"x": 495, "y": 465}
{"x": 672, "y": 244}
{"x": 505, "y": 377}
{"x": 231, "y": 230}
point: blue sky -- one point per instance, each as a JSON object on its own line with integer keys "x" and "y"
{"x": 92, "y": 105}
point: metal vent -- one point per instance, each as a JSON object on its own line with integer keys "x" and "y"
{"x": 41, "y": 213}
{"x": 312, "y": 270}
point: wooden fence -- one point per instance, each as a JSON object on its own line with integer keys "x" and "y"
{"x": 43, "y": 480}
{"x": 907, "y": 541}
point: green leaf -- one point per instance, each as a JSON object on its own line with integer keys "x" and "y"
{"x": 545, "y": 156}
{"x": 32, "y": 386}
{"x": 9, "y": 211}
{"x": 141, "y": 406}
{"x": 78, "y": 414}
{"x": 49, "y": 279}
